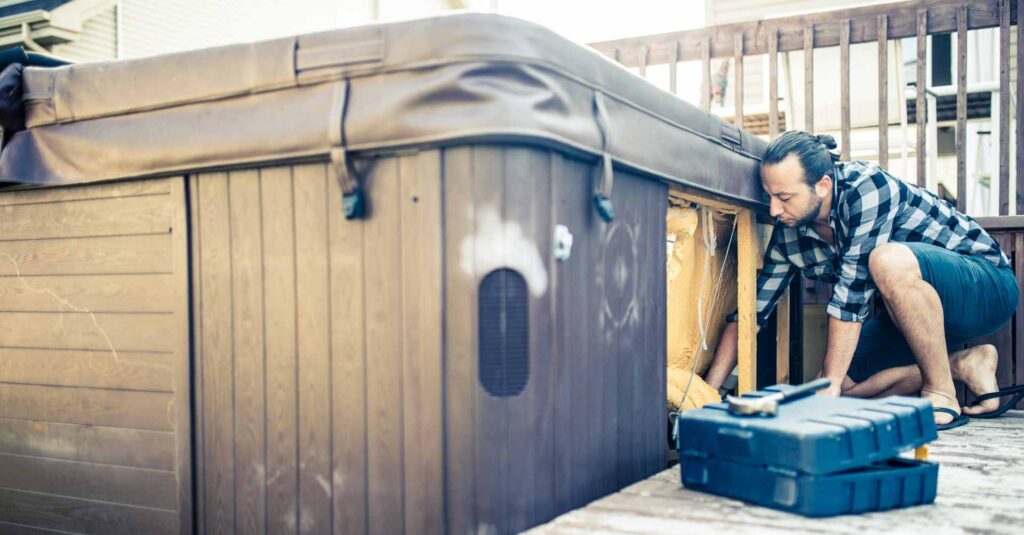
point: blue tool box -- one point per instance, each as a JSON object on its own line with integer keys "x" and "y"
{"x": 819, "y": 456}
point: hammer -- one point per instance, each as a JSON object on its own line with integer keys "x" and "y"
{"x": 769, "y": 405}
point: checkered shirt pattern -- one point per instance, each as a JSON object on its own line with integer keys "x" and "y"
{"x": 871, "y": 207}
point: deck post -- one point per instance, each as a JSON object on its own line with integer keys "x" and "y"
{"x": 746, "y": 298}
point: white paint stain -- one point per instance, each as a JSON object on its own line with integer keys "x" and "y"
{"x": 306, "y": 522}
{"x": 324, "y": 484}
{"x": 501, "y": 244}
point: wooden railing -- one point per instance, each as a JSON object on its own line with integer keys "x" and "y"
{"x": 844, "y": 28}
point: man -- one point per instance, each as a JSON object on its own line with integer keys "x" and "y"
{"x": 942, "y": 278}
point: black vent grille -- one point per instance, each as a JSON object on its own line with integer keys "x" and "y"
{"x": 504, "y": 335}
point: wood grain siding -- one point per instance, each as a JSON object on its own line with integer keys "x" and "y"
{"x": 337, "y": 363}
{"x": 591, "y": 417}
{"x": 94, "y": 382}
{"x": 320, "y": 367}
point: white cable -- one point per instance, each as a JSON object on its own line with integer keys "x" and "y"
{"x": 707, "y": 232}
{"x": 703, "y": 341}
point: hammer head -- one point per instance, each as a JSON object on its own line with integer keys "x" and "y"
{"x": 753, "y": 406}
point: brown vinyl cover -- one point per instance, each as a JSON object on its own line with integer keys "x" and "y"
{"x": 464, "y": 78}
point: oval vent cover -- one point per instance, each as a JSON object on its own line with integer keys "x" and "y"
{"x": 504, "y": 333}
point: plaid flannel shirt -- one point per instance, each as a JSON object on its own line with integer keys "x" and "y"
{"x": 870, "y": 207}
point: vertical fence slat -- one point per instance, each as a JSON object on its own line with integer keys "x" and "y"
{"x": 705, "y": 88}
{"x": 809, "y": 78}
{"x": 673, "y": 69}
{"x": 919, "y": 113}
{"x": 643, "y": 61}
{"x": 844, "y": 85}
{"x": 1004, "y": 107}
{"x": 773, "y": 84}
{"x": 961, "y": 108}
{"x": 738, "y": 79}
{"x": 1020, "y": 115}
{"x": 1018, "y": 318}
{"x": 883, "y": 91}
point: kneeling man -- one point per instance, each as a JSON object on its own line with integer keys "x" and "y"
{"x": 942, "y": 278}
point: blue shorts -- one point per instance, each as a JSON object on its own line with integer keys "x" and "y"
{"x": 977, "y": 298}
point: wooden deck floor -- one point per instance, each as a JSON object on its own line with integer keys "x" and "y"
{"x": 981, "y": 490}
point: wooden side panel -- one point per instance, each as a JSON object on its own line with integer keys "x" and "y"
{"x": 527, "y": 202}
{"x": 216, "y": 318}
{"x": 491, "y": 446}
{"x": 348, "y": 366}
{"x": 71, "y": 515}
{"x": 97, "y": 293}
{"x": 422, "y": 353}
{"x": 94, "y": 364}
{"x": 579, "y": 398}
{"x": 88, "y": 331}
{"x": 145, "y": 214}
{"x": 313, "y": 309}
{"x": 287, "y": 445}
{"x": 650, "y": 370}
{"x": 278, "y": 228}
{"x": 103, "y": 255}
{"x": 460, "y": 343}
{"x": 93, "y": 369}
{"x": 383, "y": 314}
{"x": 249, "y": 374}
{"x": 591, "y": 416}
{"x": 88, "y": 444}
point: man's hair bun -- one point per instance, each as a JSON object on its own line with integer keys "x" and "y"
{"x": 827, "y": 140}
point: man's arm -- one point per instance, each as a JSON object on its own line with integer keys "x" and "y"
{"x": 873, "y": 206}
{"x": 842, "y": 341}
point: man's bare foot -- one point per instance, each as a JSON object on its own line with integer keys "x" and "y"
{"x": 942, "y": 399}
{"x": 976, "y": 367}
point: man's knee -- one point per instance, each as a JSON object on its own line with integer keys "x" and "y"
{"x": 892, "y": 265}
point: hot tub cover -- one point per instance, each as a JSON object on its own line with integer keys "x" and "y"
{"x": 354, "y": 93}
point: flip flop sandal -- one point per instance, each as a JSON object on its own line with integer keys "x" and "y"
{"x": 1016, "y": 391}
{"x": 958, "y": 419}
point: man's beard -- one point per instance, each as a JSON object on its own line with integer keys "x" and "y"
{"x": 811, "y": 214}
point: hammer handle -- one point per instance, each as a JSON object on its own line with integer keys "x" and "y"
{"x": 804, "y": 389}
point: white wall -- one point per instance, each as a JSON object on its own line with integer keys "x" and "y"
{"x": 97, "y": 40}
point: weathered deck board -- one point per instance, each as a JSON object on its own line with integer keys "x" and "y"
{"x": 981, "y": 475}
